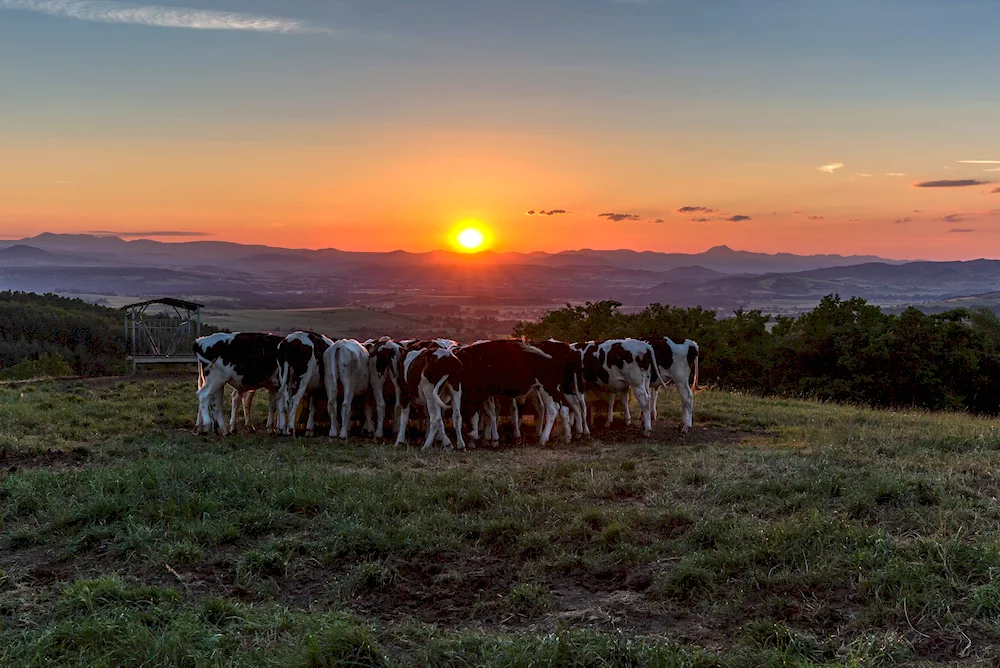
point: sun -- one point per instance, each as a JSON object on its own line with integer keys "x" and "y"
{"x": 470, "y": 237}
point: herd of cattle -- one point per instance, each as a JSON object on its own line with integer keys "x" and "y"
{"x": 303, "y": 370}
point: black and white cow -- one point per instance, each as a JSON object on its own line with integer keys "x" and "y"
{"x": 511, "y": 369}
{"x": 432, "y": 377}
{"x": 346, "y": 378}
{"x": 301, "y": 375}
{"x": 617, "y": 366}
{"x": 385, "y": 368}
{"x": 675, "y": 363}
{"x": 245, "y": 361}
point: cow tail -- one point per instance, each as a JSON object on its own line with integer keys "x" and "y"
{"x": 437, "y": 389}
{"x": 334, "y": 378}
{"x": 694, "y": 385}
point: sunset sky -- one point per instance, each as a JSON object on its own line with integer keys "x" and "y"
{"x": 806, "y": 126}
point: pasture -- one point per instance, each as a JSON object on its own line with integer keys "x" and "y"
{"x": 335, "y": 322}
{"x": 779, "y": 533}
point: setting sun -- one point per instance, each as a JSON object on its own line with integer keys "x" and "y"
{"x": 469, "y": 237}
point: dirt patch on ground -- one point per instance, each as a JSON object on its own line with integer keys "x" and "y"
{"x": 12, "y": 461}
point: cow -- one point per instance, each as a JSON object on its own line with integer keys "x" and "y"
{"x": 617, "y": 366}
{"x": 427, "y": 373}
{"x": 245, "y": 361}
{"x": 301, "y": 374}
{"x": 512, "y": 369}
{"x": 572, "y": 385}
{"x": 346, "y": 375}
{"x": 385, "y": 368}
{"x": 674, "y": 363}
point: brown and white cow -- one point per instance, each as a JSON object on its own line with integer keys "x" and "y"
{"x": 432, "y": 377}
{"x": 245, "y": 361}
{"x": 512, "y": 369}
{"x": 385, "y": 369}
{"x": 675, "y": 363}
{"x": 345, "y": 369}
{"x": 617, "y": 366}
{"x": 301, "y": 375}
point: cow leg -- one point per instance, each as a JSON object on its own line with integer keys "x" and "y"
{"x": 456, "y": 418}
{"x": 515, "y": 417}
{"x": 379, "y": 411}
{"x": 311, "y": 420}
{"x": 655, "y": 394}
{"x": 645, "y": 404}
{"x": 491, "y": 433}
{"x": 401, "y": 424}
{"x": 436, "y": 422}
{"x": 235, "y": 399}
{"x": 566, "y": 423}
{"x": 369, "y": 411}
{"x": 345, "y": 415}
{"x": 582, "y": 399}
{"x": 474, "y": 432}
{"x": 573, "y": 405}
{"x": 611, "y": 408}
{"x": 217, "y": 399}
{"x": 272, "y": 408}
{"x": 248, "y": 409}
{"x": 687, "y": 406}
{"x": 551, "y": 411}
{"x": 539, "y": 413}
{"x": 627, "y": 407}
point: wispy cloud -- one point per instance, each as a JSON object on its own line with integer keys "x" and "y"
{"x": 105, "y": 11}
{"x": 960, "y": 230}
{"x": 895, "y": 173}
{"x": 738, "y": 218}
{"x": 901, "y": 220}
{"x": 996, "y": 190}
{"x": 159, "y": 233}
{"x": 950, "y": 183}
{"x": 618, "y": 217}
{"x": 979, "y": 162}
{"x": 992, "y": 169}
{"x": 815, "y": 217}
{"x": 953, "y": 218}
{"x": 831, "y": 168}
{"x": 700, "y": 220}
{"x": 543, "y": 212}
{"x": 658, "y": 220}
{"x": 863, "y": 175}
{"x": 695, "y": 209}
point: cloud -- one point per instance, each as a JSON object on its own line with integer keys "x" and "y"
{"x": 738, "y": 218}
{"x": 950, "y": 168}
{"x": 106, "y": 11}
{"x": 901, "y": 220}
{"x": 543, "y": 212}
{"x": 979, "y": 162}
{"x": 160, "y": 233}
{"x": 815, "y": 217}
{"x": 952, "y": 218}
{"x": 895, "y": 173}
{"x": 863, "y": 175}
{"x": 618, "y": 217}
{"x": 700, "y": 220}
{"x": 658, "y": 220}
{"x": 950, "y": 183}
{"x": 831, "y": 168}
{"x": 996, "y": 190}
{"x": 960, "y": 230}
{"x": 695, "y": 209}
{"x": 992, "y": 169}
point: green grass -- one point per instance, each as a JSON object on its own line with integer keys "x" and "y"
{"x": 780, "y": 533}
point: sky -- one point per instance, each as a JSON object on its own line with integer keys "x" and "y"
{"x": 803, "y": 126}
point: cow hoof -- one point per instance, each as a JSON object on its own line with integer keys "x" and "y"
{"x": 646, "y": 433}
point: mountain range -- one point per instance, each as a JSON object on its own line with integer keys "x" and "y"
{"x": 256, "y": 276}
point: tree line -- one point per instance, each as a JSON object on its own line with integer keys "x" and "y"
{"x": 844, "y": 350}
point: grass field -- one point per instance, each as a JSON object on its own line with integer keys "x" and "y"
{"x": 780, "y": 533}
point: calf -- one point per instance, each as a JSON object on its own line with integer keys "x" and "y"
{"x": 571, "y": 362}
{"x": 385, "y": 366}
{"x": 675, "y": 363}
{"x": 618, "y": 366}
{"x": 300, "y": 373}
{"x": 426, "y": 373}
{"x": 346, "y": 375}
{"x": 512, "y": 369}
{"x": 247, "y": 362}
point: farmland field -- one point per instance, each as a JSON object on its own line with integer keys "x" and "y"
{"x": 778, "y": 533}
{"x": 335, "y": 322}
